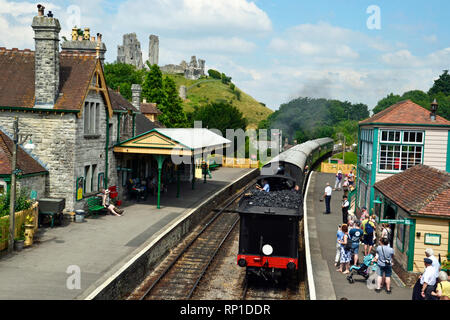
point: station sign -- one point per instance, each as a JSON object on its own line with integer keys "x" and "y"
{"x": 398, "y": 221}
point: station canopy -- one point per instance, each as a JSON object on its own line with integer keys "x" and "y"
{"x": 173, "y": 141}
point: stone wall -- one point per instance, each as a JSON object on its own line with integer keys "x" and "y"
{"x": 36, "y": 183}
{"x": 153, "y": 51}
{"x": 130, "y": 51}
{"x": 55, "y": 138}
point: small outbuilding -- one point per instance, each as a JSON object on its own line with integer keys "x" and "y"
{"x": 416, "y": 204}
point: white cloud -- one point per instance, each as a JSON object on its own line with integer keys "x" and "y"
{"x": 321, "y": 43}
{"x": 194, "y": 16}
{"x": 211, "y": 44}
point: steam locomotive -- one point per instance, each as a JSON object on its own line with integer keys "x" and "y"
{"x": 269, "y": 221}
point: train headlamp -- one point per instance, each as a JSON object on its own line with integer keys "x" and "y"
{"x": 267, "y": 249}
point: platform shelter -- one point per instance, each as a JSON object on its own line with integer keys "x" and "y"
{"x": 178, "y": 149}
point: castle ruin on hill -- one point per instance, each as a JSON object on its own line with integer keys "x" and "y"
{"x": 130, "y": 53}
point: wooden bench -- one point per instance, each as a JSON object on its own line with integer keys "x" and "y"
{"x": 94, "y": 205}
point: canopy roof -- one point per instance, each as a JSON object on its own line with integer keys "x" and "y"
{"x": 185, "y": 141}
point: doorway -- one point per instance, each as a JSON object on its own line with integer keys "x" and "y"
{"x": 391, "y": 213}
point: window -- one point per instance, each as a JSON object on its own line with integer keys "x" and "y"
{"x": 2, "y": 187}
{"x": 390, "y": 136}
{"x": 91, "y": 118}
{"x": 88, "y": 179}
{"x": 413, "y": 137}
{"x": 366, "y": 147}
{"x": 403, "y": 150}
{"x": 93, "y": 175}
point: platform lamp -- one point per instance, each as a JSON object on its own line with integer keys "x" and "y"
{"x": 17, "y": 139}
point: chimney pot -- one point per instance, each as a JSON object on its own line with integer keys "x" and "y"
{"x": 136, "y": 91}
{"x": 40, "y": 10}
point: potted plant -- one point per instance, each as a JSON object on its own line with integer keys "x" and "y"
{"x": 19, "y": 241}
{"x": 29, "y": 230}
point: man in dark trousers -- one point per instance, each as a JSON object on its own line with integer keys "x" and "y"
{"x": 327, "y": 196}
{"x": 345, "y": 205}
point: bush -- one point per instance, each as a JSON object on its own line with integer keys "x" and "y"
{"x": 214, "y": 74}
{"x": 22, "y": 202}
{"x": 225, "y": 79}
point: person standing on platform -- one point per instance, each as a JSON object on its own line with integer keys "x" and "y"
{"x": 442, "y": 291}
{"x": 345, "y": 206}
{"x": 339, "y": 236}
{"x": 327, "y": 196}
{"x": 338, "y": 183}
{"x": 429, "y": 253}
{"x": 355, "y": 234}
{"x": 428, "y": 279}
{"x": 369, "y": 229}
{"x": 384, "y": 258}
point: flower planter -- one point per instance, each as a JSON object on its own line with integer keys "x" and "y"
{"x": 18, "y": 245}
{"x": 29, "y": 234}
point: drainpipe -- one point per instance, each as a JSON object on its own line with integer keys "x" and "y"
{"x": 106, "y": 153}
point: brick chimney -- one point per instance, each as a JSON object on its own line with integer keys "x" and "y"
{"x": 136, "y": 91}
{"x": 46, "y": 37}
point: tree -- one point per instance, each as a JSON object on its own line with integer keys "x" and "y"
{"x": 123, "y": 75}
{"x": 172, "y": 115}
{"x": 220, "y": 115}
{"x": 386, "y": 102}
{"x": 152, "y": 88}
{"x": 441, "y": 85}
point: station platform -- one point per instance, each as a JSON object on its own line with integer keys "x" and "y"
{"x": 98, "y": 245}
{"x": 328, "y": 283}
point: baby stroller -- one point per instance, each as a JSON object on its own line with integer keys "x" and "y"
{"x": 365, "y": 269}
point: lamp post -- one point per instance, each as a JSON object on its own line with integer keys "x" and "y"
{"x": 14, "y": 172}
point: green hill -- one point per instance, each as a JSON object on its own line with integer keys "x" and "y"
{"x": 203, "y": 91}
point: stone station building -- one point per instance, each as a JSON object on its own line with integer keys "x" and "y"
{"x": 62, "y": 99}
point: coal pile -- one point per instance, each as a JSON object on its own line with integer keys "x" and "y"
{"x": 288, "y": 199}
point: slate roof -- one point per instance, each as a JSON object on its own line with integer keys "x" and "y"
{"x": 25, "y": 162}
{"x": 118, "y": 102}
{"x": 150, "y": 108}
{"x": 420, "y": 190}
{"x": 405, "y": 112}
{"x": 18, "y": 74}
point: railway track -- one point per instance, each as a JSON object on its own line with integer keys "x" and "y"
{"x": 180, "y": 274}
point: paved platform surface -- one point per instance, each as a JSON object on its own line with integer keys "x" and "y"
{"x": 97, "y": 245}
{"x": 331, "y": 284}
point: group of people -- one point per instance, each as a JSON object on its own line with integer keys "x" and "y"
{"x": 345, "y": 183}
{"x": 433, "y": 283}
{"x": 142, "y": 188}
{"x": 349, "y": 238}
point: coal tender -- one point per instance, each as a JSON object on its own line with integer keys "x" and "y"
{"x": 270, "y": 214}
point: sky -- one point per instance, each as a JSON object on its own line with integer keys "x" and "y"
{"x": 351, "y": 50}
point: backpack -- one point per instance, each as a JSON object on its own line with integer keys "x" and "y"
{"x": 349, "y": 244}
{"x": 368, "y": 228}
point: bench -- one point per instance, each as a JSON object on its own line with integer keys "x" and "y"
{"x": 213, "y": 165}
{"x": 94, "y": 205}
